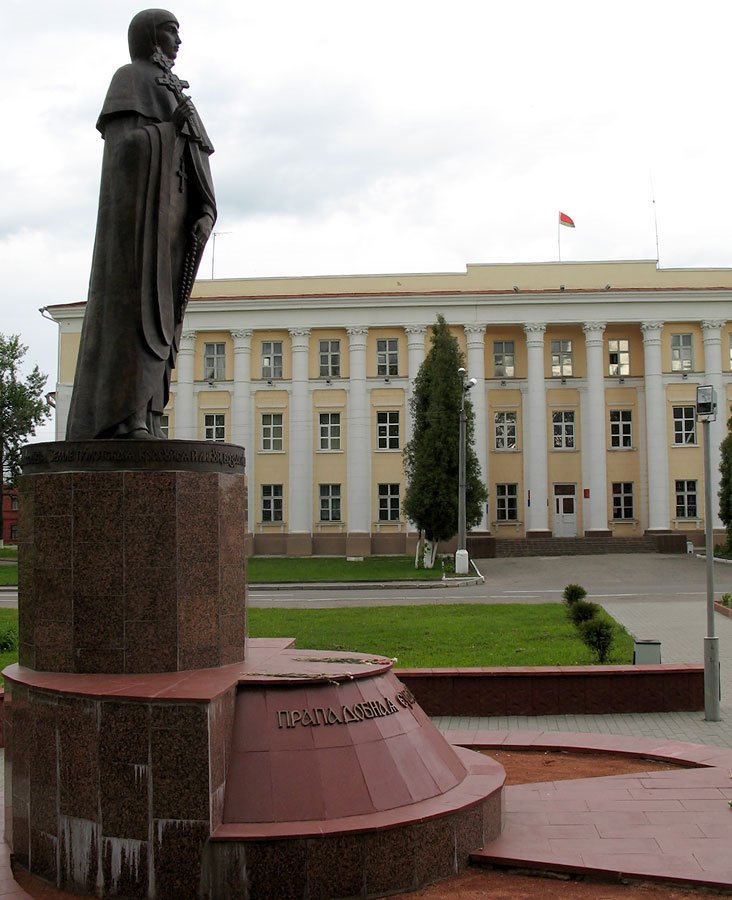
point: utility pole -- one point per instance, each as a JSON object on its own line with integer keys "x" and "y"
{"x": 461, "y": 557}
{"x": 706, "y": 413}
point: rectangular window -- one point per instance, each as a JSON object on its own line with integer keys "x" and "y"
{"x": 271, "y": 502}
{"x": 622, "y": 500}
{"x": 271, "y": 431}
{"x": 215, "y": 426}
{"x": 214, "y": 362}
{"x": 330, "y": 503}
{"x": 271, "y": 359}
{"x": 561, "y": 359}
{"x": 507, "y": 502}
{"x": 330, "y": 359}
{"x": 504, "y": 359}
{"x": 330, "y": 431}
{"x": 14, "y": 501}
{"x": 621, "y": 428}
{"x": 685, "y": 499}
{"x": 388, "y": 503}
{"x": 505, "y": 430}
{"x": 681, "y": 356}
{"x": 387, "y": 430}
{"x": 13, "y": 532}
{"x": 619, "y": 356}
{"x": 165, "y": 424}
{"x": 563, "y": 425}
{"x": 684, "y": 425}
{"x": 387, "y": 356}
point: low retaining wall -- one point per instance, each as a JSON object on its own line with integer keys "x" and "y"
{"x": 550, "y": 690}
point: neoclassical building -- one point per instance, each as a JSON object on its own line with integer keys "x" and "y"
{"x": 584, "y": 403}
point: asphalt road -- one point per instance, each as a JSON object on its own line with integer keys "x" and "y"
{"x": 615, "y": 577}
{"x": 655, "y": 577}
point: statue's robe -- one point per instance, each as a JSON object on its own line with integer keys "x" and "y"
{"x": 156, "y": 183}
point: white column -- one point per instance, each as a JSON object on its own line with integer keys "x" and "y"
{"x": 712, "y": 337}
{"x": 300, "y": 447}
{"x": 475, "y": 340}
{"x": 358, "y": 441}
{"x": 593, "y": 418}
{"x": 241, "y": 408}
{"x": 534, "y": 431}
{"x": 415, "y": 358}
{"x": 186, "y": 428}
{"x": 656, "y": 436}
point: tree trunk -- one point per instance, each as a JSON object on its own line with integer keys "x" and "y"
{"x": 430, "y": 554}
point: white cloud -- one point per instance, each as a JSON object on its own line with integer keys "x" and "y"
{"x": 390, "y": 136}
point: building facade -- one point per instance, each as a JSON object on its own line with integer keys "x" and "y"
{"x": 584, "y": 404}
{"x": 10, "y": 501}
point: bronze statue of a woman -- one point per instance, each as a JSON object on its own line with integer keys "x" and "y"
{"x": 156, "y": 212}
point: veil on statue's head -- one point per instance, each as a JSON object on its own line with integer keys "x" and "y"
{"x": 141, "y": 35}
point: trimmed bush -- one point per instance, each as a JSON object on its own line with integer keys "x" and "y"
{"x": 574, "y": 592}
{"x": 582, "y": 611}
{"x": 598, "y": 635}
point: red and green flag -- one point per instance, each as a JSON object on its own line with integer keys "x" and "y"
{"x": 564, "y": 219}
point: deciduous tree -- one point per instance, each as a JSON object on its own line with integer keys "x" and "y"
{"x": 431, "y": 458}
{"x": 23, "y": 406}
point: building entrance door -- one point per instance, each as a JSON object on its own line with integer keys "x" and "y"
{"x": 565, "y": 510}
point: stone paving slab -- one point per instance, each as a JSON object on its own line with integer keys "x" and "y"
{"x": 671, "y": 826}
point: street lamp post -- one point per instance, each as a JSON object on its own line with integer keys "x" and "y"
{"x": 461, "y": 556}
{"x": 706, "y": 412}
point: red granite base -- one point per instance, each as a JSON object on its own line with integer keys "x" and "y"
{"x": 294, "y": 768}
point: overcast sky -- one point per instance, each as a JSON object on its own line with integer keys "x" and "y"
{"x": 390, "y": 136}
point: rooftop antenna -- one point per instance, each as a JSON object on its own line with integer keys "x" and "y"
{"x": 655, "y": 216}
{"x": 214, "y": 235}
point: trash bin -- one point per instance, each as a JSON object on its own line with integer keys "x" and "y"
{"x": 647, "y": 653}
{"x": 689, "y": 547}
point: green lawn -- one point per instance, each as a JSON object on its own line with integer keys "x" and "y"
{"x": 9, "y": 552}
{"x": 509, "y": 634}
{"x": 442, "y": 636}
{"x": 268, "y": 569}
{"x": 8, "y": 574}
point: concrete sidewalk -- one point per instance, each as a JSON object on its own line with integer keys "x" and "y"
{"x": 680, "y": 625}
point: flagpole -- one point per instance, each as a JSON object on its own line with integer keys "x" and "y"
{"x": 559, "y": 239}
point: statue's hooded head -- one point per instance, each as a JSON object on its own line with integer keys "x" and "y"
{"x": 142, "y": 33}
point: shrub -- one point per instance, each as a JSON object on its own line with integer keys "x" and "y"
{"x": 727, "y": 599}
{"x": 574, "y": 592}
{"x": 582, "y": 611}
{"x": 598, "y": 635}
{"x": 8, "y": 638}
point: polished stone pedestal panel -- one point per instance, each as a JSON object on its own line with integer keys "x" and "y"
{"x": 132, "y": 556}
{"x": 295, "y": 774}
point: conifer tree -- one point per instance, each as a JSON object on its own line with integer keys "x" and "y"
{"x": 725, "y": 483}
{"x": 431, "y": 458}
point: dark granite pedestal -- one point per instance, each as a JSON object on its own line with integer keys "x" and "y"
{"x": 152, "y": 752}
{"x": 132, "y": 556}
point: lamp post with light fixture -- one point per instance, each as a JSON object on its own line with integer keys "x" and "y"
{"x": 461, "y": 556}
{"x": 706, "y": 412}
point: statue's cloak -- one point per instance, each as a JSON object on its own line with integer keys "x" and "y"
{"x": 155, "y": 184}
